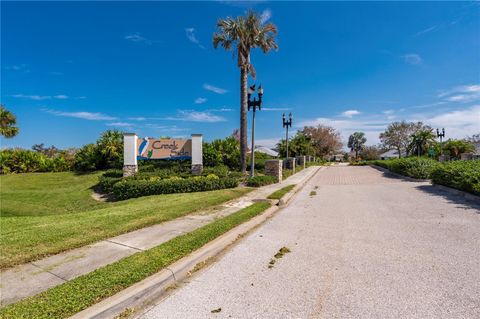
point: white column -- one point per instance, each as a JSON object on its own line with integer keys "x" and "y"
{"x": 197, "y": 153}
{"x": 130, "y": 151}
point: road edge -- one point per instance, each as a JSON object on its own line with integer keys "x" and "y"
{"x": 153, "y": 287}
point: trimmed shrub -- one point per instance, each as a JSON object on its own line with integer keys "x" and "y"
{"x": 463, "y": 175}
{"x": 258, "y": 181}
{"x": 415, "y": 167}
{"x": 131, "y": 188}
{"x": 108, "y": 179}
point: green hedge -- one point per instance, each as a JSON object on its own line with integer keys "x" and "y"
{"x": 258, "y": 181}
{"x": 26, "y": 161}
{"x": 415, "y": 167}
{"x": 131, "y": 188}
{"x": 463, "y": 175}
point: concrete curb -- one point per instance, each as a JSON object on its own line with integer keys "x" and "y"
{"x": 143, "y": 292}
{"x": 454, "y": 191}
{"x": 288, "y": 196}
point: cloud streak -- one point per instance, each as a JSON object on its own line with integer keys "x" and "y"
{"x": 350, "y": 113}
{"x": 214, "y": 89}
{"x": 412, "y": 58}
{"x": 200, "y": 100}
{"x": 192, "y": 37}
{"x": 137, "y": 37}
{"x": 265, "y": 16}
{"x": 91, "y": 116}
{"x": 196, "y": 116}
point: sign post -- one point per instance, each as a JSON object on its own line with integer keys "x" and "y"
{"x": 130, "y": 166}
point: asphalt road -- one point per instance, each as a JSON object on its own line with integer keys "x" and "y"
{"x": 365, "y": 246}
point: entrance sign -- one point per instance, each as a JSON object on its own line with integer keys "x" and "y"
{"x": 135, "y": 148}
{"x": 150, "y": 148}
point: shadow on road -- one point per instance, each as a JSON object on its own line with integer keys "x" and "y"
{"x": 458, "y": 200}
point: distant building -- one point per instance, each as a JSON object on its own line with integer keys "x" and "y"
{"x": 265, "y": 150}
{"x": 390, "y": 154}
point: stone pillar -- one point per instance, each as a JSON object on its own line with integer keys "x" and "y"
{"x": 197, "y": 154}
{"x": 274, "y": 168}
{"x": 301, "y": 161}
{"x": 466, "y": 156}
{"x": 290, "y": 163}
{"x": 443, "y": 158}
{"x": 130, "y": 151}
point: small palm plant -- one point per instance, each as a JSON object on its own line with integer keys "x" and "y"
{"x": 7, "y": 123}
{"x": 243, "y": 34}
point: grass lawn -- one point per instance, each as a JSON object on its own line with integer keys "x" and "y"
{"x": 46, "y": 213}
{"x": 73, "y": 296}
{"x": 281, "y": 192}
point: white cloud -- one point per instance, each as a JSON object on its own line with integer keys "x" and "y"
{"x": 222, "y": 109}
{"x": 120, "y": 124}
{"x": 200, "y": 100}
{"x": 462, "y": 94}
{"x": 350, "y": 113}
{"x": 412, "y": 58}
{"x": 191, "y": 35}
{"x": 276, "y": 109}
{"x": 427, "y": 30}
{"x": 136, "y": 37}
{"x": 267, "y": 142}
{"x": 40, "y": 97}
{"x": 32, "y": 97}
{"x": 19, "y": 67}
{"x": 214, "y": 89}
{"x": 196, "y": 116}
{"x": 265, "y": 16}
{"x": 139, "y": 118}
{"x": 83, "y": 115}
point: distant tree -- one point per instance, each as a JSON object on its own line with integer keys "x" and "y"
{"x": 457, "y": 147}
{"x": 325, "y": 139}
{"x": 421, "y": 141}
{"x": 51, "y": 151}
{"x": 370, "y": 152}
{"x": 110, "y": 149}
{"x": 8, "y": 123}
{"x": 475, "y": 138}
{"x": 398, "y": 135}
{"x": 356, "y": 141}
{"x": 299, "y": 145}
{"x": 244, "y": 33}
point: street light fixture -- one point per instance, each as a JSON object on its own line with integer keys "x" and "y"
{"x": 287, "y": 124}
{"x": 441, "y": 136}
{"x": 253, "y": 105}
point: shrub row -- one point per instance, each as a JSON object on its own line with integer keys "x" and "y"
{"x": 131, "y": 188}
{"x": 463, "y": 175}
{"x": 258, "y": 181}
{"x": 26, "y": 161}
{"x": 415, "y": 167}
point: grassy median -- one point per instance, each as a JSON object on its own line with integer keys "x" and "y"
{"x": 78, "y": 294}
{"x": 47, "y": 213}
{"x": 281, "y": 192}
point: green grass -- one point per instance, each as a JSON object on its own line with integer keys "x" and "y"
{"x": 73, "y": 296}
{"x": 281, "y": 192}
{"x": 48, "y": 213}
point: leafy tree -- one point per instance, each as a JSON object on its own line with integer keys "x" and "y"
{"x": 370, "y": 152}
{"x": 244, "y": 33}
{"x": 299, "y": 145}
{"x": 86, "y": 159}
{"x": 222, "y": 152}
{"x": 421, "y": 141}
{"x": 398, "y": 135}
{"x": 8, "y": 123}
{"x": 356, "y": 141}
{"x": 457, "y": 147}
{"x": 48, "y": 151}
{"x": 325, "y": 139}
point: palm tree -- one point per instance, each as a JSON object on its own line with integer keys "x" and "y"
{"x": 7, "y": 123}
{"x": 422, "y": 140}
{"x": 244, "y": 33}
{"x": 356, "y": 142}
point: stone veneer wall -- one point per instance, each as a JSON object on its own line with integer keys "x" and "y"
{"x": 290, "y": 163}
{"x": 129, "y": 170}
{"x": 274, "y": 168}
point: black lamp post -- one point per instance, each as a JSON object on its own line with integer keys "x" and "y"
{"x": 253, "y": 105}
{"x": 287, "y": 124}
{"x": 441, "y": 136}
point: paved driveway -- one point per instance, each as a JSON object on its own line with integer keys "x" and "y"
{"x": 365, "y": 246}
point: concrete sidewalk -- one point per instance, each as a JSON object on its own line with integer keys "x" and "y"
{"x": 29, "y": 279}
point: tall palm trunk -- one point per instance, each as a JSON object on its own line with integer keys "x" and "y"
{"x": 243, "y": 117}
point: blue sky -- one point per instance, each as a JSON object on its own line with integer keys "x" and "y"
{"x": 72, "y": 70}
